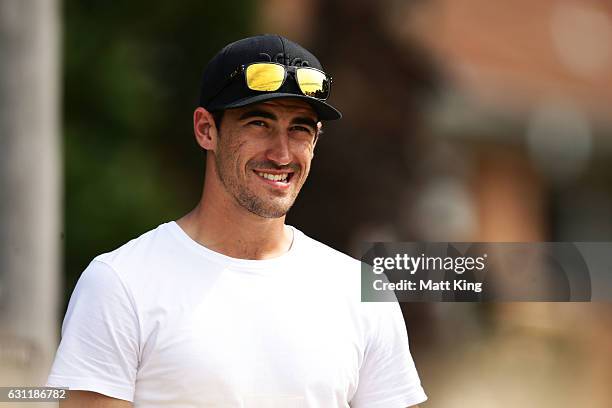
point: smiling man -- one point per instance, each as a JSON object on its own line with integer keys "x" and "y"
{"x": 228, "y": 306}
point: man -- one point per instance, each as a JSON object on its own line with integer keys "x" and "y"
{"x": 228, "y": 306}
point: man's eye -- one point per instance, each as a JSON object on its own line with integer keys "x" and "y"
{"x": 303, "y": 129}
{"x": 260, "y": 123}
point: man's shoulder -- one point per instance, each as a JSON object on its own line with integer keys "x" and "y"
{"x": 317, "y": 251}
{"x": 147, "y": 246}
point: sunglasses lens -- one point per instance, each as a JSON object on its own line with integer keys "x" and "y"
{"x": 265, "y": 77}
{"x": 313, "y": 83}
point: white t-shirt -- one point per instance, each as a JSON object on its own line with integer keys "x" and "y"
{"x": 165, "y": 322}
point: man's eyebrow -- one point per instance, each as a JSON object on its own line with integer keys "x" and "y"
{"x": 300, "y": 120}
{"x": 257, "y": 113}
{"x": 303, "y": 120}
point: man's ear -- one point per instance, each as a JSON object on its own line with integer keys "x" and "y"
{"x": 205, "y": 129}
{"x": 319, "y": 133}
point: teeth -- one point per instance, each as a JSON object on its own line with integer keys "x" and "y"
{"x": 273, "y": 177}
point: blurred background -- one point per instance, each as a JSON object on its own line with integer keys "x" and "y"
{"x": 470, "y": 120}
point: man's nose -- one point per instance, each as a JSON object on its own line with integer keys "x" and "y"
{"x": 279, "y": 151}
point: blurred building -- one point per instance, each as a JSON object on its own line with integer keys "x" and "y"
{"x": 529, "y": 91}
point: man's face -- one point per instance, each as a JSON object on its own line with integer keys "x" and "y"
{"x": 264, "y": 152}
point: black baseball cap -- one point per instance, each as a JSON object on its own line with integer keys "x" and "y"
{"x": 217, "y": 93}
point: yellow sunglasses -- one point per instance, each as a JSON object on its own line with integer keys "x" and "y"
{"x": 270, "y": 76}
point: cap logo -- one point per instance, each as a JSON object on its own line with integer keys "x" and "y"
{"x": 281, "y": 58}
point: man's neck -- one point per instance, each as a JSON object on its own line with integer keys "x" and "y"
{"x": 231, "y": 230}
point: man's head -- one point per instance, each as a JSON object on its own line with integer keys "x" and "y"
{"x": 260, "y": 143}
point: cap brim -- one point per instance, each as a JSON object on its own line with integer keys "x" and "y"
{"x": 324, "y": 110}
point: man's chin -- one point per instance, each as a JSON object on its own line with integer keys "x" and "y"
{"x": 269, "y": 213}
{"x": 267, "y": 208}
{"x": 275, "y": 211}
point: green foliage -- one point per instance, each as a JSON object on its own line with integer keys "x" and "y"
{"x": 131, "y": 80}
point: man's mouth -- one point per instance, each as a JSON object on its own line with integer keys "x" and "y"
{"x": 282, "y": 178}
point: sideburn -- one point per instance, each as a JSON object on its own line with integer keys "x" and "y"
{"x": 218, "y": 118}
